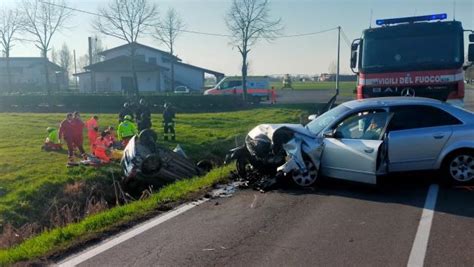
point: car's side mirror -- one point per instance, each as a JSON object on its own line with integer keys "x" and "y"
{"x": 328, "y": 134}
{"x": 312, "y": 117}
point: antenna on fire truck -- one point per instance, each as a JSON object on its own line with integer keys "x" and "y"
{"x": 370, "y": 20}
{"x": 454, "y": 10}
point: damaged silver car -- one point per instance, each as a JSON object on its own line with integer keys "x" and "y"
{"x": 362, "y": 139}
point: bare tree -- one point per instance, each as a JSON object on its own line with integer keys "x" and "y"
{"x": 127, "y": 20}
{"x": 65, "y": 61}
{"x": 249, "y": 21}
{"x": 97, "y": 48}
{"x": 167, "y": 32}
{"x": 43, "y": 19}
{"x": 53, "y": 55}
{"x": 11, "y": 23}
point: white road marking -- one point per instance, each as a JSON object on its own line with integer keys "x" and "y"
{"x": 77, "y": 259}
{"x": 418, "y": 251}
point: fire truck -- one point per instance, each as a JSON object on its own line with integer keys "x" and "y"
{"x": 412, "y": 56}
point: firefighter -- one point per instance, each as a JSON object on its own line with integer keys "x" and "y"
{"x": 92, "y": 126}
{"x": 168, "y": 122}
{"x": 143, "y": 116}
{"x": 126, "y": 130}
{"x": 68, "y": 131}
{"x": 273, "y": 96}
{"x": 126, "y": 110}
{"x": 52, "y": 141}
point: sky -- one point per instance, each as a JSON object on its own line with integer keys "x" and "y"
{"x": 298, "y": 55}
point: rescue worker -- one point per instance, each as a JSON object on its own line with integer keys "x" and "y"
{"x": 52, "y": 142}
{"x": 168, "y": 122}
{"x": 92, "y": 126}
{"x": 126, "y": 110}
{"x": 126, "y": 130}
{"x": 67, "y": 131}
{"x": 101, "y": 148}
{"x": 143, "y": 116}
{"x": 273, "y": 96}
{"x": 78, "y": 126}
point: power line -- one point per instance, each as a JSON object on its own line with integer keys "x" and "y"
{"x": 346, "y": 39}
{"x": 183, "y": 30}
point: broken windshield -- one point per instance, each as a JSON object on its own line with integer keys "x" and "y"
{"x": 323, "y": 121}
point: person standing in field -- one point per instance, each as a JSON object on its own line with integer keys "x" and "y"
{"x": 67, "y": 133}
{"x": 92, "y": 126}
{"x": 143, "y": 115}
{"x": 126, "y": 110}
{"x": 168, "y": 122}
{"x": 126, "y": 130}
{"x": 78, "y": 126}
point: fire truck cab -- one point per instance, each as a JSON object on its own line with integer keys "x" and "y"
{"x": 412, "y": 56}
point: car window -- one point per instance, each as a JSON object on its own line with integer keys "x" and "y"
{"x": 367, "y": 125}
{"x": 417, "y": 116}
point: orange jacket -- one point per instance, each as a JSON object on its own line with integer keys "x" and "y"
{"x": 92, "y": 125}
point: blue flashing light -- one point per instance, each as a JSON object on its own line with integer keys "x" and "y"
{"x": 381, "y": 22}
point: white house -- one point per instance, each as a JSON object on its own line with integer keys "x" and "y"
{"x": 27, "y": 74}
{"x": 153, "y": 68}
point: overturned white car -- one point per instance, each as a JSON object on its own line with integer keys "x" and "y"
{"x": 362, "y": 139}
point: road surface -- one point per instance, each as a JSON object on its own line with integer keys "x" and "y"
{"x": 335, "y": 224}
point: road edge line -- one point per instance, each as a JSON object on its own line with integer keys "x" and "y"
{"x": 110, "y": 243}
{"x": 420, "y": 244}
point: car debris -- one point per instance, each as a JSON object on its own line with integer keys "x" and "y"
{"x": 274, "y": 152}
{"x": 143, "y": 159}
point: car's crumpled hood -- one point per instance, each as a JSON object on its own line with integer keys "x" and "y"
{"x": 270, "y": 129}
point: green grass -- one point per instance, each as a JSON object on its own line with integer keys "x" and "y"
{"x": 61, "y": 238}
{"x": 30, "y": 178}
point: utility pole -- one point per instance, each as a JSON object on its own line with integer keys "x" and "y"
{"x": 90, "y": 63}
{"x": 338, "y": 56}
{"x": 75, "y": 69}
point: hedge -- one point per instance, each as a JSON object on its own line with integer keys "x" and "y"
{"x": 101, "y": 104}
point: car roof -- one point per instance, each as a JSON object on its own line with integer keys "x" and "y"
{"x": 391, "y": 101}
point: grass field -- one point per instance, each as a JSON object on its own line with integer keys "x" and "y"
{"x": 344, "y": 86}
{"x": 31, "y": 180}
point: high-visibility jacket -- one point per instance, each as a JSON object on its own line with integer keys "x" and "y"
{"x": 92, "y": 125}
{"x": 53, "y": 137}
{"x": 126, "y": 129}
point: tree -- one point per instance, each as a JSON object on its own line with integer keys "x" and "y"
{"x": 127, "y": 20}
{"x": 97, "y": 48}
{"x": 54, "y": 55}
{"x": 249, "y": 21}
{"x": 167, "y": 32}
{"x": 65, "y": 60}
{"x": 11, "y": 24}
{"x": 43, "y": 19}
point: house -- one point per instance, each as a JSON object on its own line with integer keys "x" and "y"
{"x": 153, "y": 68}
{"x": 27, "y": 74}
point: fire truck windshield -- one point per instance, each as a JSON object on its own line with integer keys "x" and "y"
{"x": 412, "y": 48}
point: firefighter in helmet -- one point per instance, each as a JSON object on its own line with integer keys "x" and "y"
{"x": 168, "y": 122}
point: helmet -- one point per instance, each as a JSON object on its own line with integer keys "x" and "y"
{"x": 142, "y": 101}
{"x": 50, "y": 129}
{"x": 125, "y": 105}
{"x": 128, "y": 117}
{"x": 167, "y": 105}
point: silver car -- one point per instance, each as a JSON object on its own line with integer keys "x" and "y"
{"x": 362, "y": 139}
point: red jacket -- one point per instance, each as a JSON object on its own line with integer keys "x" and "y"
{"x": 78, "y": 128}
{"x": 66, "y": 130}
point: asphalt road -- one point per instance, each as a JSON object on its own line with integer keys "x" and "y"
{"x": 333, "y": 224}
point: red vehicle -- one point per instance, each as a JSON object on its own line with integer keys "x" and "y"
{"x": 412, "y": 56}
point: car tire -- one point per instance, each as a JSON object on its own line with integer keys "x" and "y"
{"x": 458, "y": 168}
{"x": 244, "y": 166}
{"x": 303, "y": 180}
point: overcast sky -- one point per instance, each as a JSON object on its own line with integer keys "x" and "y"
{"x": 299, "y": 55}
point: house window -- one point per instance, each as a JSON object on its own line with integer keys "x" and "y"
{"x": 165, "y": 59}
{"x": 152, "y": 60}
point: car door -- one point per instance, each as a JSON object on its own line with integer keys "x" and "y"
{"x": 351, "y": 150}
{"x": 416, "y": 136}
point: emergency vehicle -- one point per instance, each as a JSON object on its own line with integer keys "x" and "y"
{"x": 412, "y": 56}
{"x": 257, "y": 87}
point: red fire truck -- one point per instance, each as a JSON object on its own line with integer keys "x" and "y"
{"x": 412, "y": 56}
